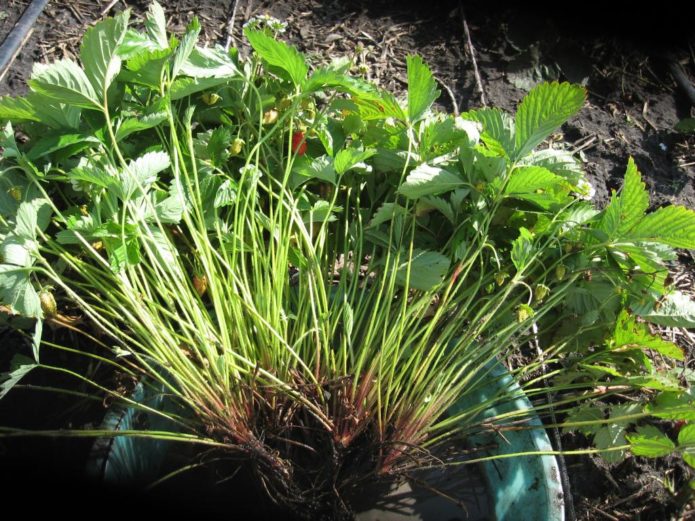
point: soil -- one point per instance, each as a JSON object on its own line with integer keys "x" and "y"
{"x": 632, "y": 108}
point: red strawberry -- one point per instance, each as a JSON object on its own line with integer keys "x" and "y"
{"x": 298, "y": 143}
{"x": 678, "y": 425}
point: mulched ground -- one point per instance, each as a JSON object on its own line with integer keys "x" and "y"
{"x": 633, "y": 106}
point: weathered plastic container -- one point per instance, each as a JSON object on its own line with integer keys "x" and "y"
{"x": 503, "y": 489}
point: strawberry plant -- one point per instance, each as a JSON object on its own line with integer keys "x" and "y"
{"x": 316, "y": 271}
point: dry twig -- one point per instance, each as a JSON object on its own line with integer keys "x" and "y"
{"x": 230, "y": 25}
{"x": 451, "y": 95}
{"x": 106, "y": 9}
{"x": 471, "y": 51}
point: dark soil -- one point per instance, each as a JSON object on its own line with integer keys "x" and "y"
{"x": 633, "y": 106}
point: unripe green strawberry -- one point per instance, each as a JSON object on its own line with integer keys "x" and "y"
{"x": 48, "y": 303}
{"x": 523, "y": 313}
{"x": 284, "y": 103}
{"x": 500, "y": 277}
{"x": 210, "y": 98}
{"x": 16, "y": 193}
{"x": 236, "y": 147}
{"x": 540, "y": 292}
{"x": 560, "y": 271}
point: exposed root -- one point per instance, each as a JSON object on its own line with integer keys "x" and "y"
{"x": 312, "y": 471}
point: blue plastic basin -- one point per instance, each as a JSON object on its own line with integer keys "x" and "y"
{"x": 517, "y": 488}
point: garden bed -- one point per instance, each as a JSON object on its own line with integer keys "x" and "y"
{"x": 633, "y": 106}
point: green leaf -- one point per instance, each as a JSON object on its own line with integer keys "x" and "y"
{"x": 650, "y": 442}
{"x": 170, "y": 209}
{"x": 279, "y": 54}
{"x": 16, "y": 251}
{"x": 226, "y": 194}
{"x": 498, "y": 128}
{"x": 331, "y": 135}
{"x": 41, "y": 109}
{"x": 79, "y": 227}
{"x": 422, "y": 88}
{"x": 321, "y": 168}
{"x": 385, "y": 213}
{"x": 132, "y": 125}
{"x": 440, "y": 130}
{"x": 329, "y": 77}
{"x": 65, "y": 82}
{"x": 350, "y": 158}
{"x": 98, "y": 52}
{"x": 672, "y": 405}
{"x": 134, "y": 43}
{"x": 585, "y": 413}
{"x": 634, "y": 198}
{"x": 427, "y": 270}
{"x": 460, "y": 250}
{"x": 185, "y": 48}
{"x": 522, "y": 249}
{"x": 559, "y": 162}
{"x": 183, "y": 87}
{"x": 386, "y": 160}
{"x": 686, "y": 125}
{"x": 629, "y": 334}
{"x": 141, "y": 173}
{"x": 53, "y": 143}
{"x": 620, "y": 414}
{"x": 321, "y": 212}
{"x": 432, "y": 202}
{"x": 674, "y": 310}
{"x": 672, "y": 225}
{"x": 429, "y": 180}
{"x": 382, "y": 105}
{"x": 579, "y": 213}
{"x": 218, "y": 143}
{"x": 32, "y": 215}
{"x": 626, "y": 209}
{"x": 686, "y": 441}
{"x": 537, "y": 185}
{"x": 458, "y": 197}
{"x": 121, "y": 244}
{"x": 17, "y": 292}
{"x": 18, "y": 109}
{"x": 161, "y": 245}
{"x": 156, "y": 25}
{"x": 54, "y": 114}
{"x": 19, "y": 367}
{"x": 11, "y": 181}
{"x": 542, "y": 111}
{"x": 609, "y": 436}
{"x": 613, "y": 434}
{"x": 650, "y": 257}
{"x": 206, "y": 62}
{"x": 8, "y": 143}
{"x": 146, "y": 68}
{"x": 489, "y": 167}
{"x": 655, "y": 381}
{"x": 93, "y": 176}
